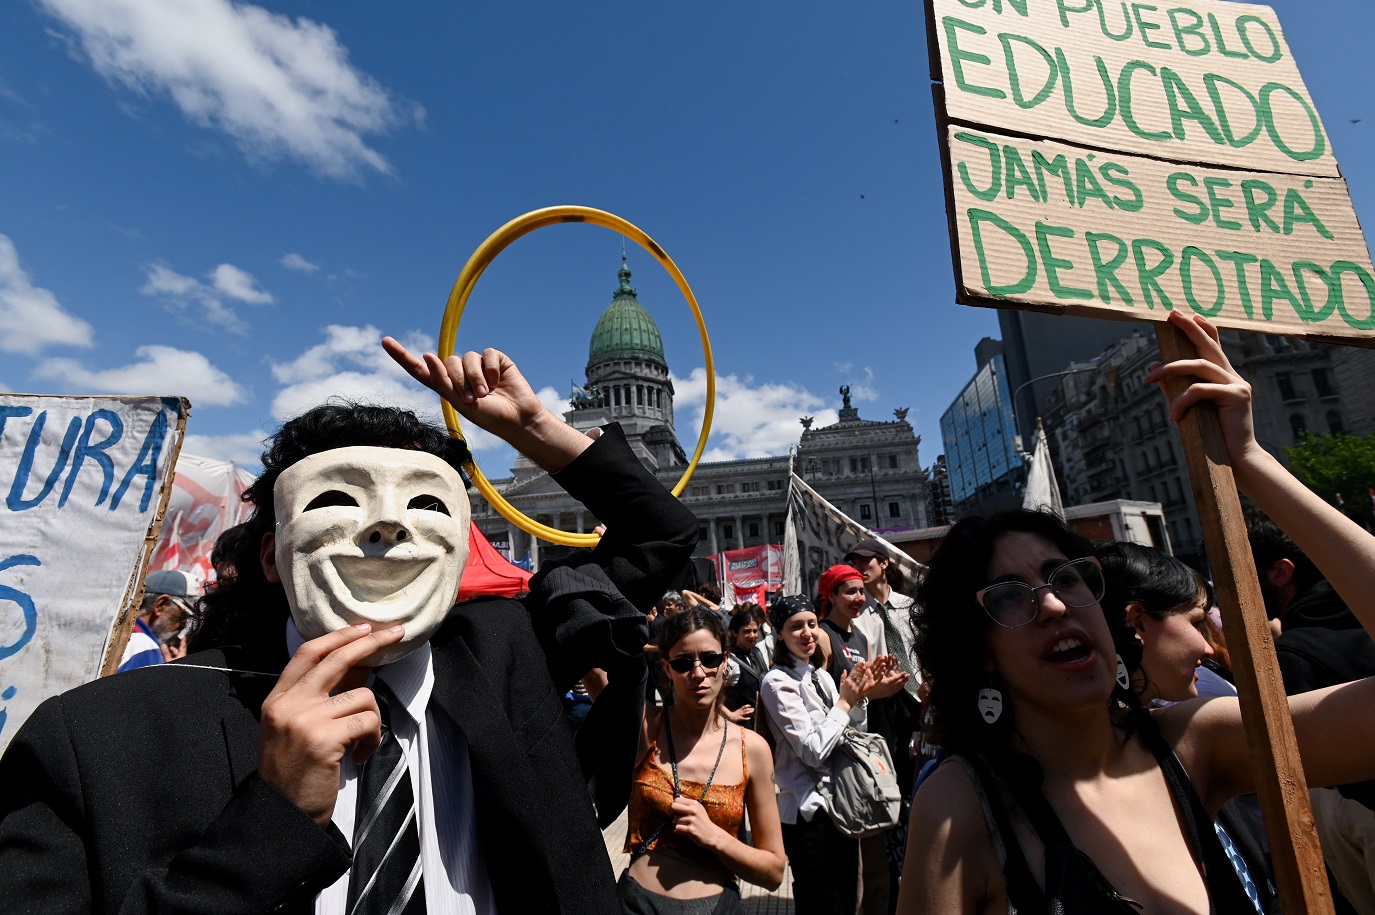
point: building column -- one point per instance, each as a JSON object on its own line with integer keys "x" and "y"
{"x": 582, "y": 524}
{"x": 740, "y": 531}
{"x": 511, "y": 542}
{"x": 534, "y": 550}
{"x": 711, "y": 536}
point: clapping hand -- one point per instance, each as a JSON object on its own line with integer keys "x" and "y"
{"x": 889, "y": 678}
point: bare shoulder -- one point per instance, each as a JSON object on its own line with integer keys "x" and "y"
{"x": 950, "y": 805}
{"x": 949, "y": 846}
{"x": 757, "y": 751}
{"x": 649, "y": 729}
{"x": 1209, "y": 739}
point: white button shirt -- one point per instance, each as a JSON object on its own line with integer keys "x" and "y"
{"x": 450, "y": 857}
{"x": 805, "y": 734}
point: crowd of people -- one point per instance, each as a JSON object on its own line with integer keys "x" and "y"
{"x": 1059, "y": 715}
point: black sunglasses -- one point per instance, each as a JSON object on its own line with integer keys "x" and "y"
{"x": 710, "y": 660}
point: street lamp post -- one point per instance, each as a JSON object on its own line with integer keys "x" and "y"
{"x": 1026, "y": 384}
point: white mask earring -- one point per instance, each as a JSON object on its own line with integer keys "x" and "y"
{"x": 990, "y": 704}
{"x": 1124, "y": 678}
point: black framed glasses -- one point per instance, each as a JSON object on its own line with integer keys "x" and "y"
{"x": 710, "y": 660}
{"x": 1077, "y": 583}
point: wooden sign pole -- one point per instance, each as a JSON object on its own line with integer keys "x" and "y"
{"x": 1283, "y": 790}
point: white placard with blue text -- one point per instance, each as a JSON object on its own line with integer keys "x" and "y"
{"x": 82, "y": 483}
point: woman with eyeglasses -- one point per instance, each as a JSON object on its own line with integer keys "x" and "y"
{"x": 697, "y": 777}
{"x": 807, "y": 714}
{"x": 1061, "y": 793}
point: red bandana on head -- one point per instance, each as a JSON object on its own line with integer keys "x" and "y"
{"x": 834, "y": 577}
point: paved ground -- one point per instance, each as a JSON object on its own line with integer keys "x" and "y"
{"x": 757, "y": 900}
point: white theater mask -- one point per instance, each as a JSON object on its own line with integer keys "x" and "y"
{"x": 375, "y": 535}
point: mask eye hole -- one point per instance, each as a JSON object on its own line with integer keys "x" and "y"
{"x": 332, "y": 497}
{"x": 429, "y": 503}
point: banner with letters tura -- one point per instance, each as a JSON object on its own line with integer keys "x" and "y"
{"x": 1122, "y": 159}
{"x": 84, "y": 482}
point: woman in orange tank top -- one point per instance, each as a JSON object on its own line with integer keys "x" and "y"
{"x": 697, "y": 777}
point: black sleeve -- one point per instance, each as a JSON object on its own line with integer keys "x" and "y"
{"x": 588, "y": 609}
{"x": 261, "y": 852}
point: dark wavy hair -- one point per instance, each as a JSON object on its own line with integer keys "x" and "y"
{"x": 240, "y": 609}
{"x": 1153, "y": 578}
{"x": 951, "y": 630}
{"x": 744, "y": 615}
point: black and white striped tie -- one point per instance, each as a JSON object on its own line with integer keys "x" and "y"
{"x": 386, "y": 878}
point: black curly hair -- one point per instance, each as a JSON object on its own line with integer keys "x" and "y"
{"x": 951, "y": 631}
{"x": 1153, "y": 578}
{"x": 241, "y": 608}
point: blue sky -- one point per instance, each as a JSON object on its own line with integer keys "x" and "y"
{"x": 233, "y": 201}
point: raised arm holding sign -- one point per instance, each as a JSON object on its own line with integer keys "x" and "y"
{"x": 1112, "y": 802}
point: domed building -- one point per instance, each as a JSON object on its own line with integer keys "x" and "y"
{"x": 868, "y": 469}
{"x": 628, "y": 380}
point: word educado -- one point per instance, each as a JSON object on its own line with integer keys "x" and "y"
{"x": 1229, "y": 103}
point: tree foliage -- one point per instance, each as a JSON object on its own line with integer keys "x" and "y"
{"x": 1337, "y": 465}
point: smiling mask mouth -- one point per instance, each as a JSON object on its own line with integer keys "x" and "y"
{"x": 374, "y": 579}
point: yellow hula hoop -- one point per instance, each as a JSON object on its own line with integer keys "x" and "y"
{"x": 458, "y": 299}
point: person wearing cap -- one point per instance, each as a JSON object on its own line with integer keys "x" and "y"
{"x": 167, "y": 607}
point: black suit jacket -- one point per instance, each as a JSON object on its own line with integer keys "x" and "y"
{"x": 140, "y": 792}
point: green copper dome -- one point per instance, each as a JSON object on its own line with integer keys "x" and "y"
{"x": 625, "y": 328}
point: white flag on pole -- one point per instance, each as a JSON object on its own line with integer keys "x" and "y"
{"x": 817, "y": 537}
{"x": 1042, "y": 493}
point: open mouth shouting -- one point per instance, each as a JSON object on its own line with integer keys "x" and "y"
{"x": 1070, "y": 651}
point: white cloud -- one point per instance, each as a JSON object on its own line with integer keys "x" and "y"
{"x": 294, "y": 261}
{"x": 31, "y": 318}
{"x": 243, "y": 448}
{"x": 281, "y": 88}
{"x": 239, "y": 284}
{"x": 750, "y": 420}
{"x": 226, "y": 282}
{"x": 160, "y": 370}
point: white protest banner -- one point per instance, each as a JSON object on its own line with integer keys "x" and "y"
{"x": 1193, "y": 81}
{"x": 817, "y": 536}
{"x": 205, "y": 502}
{"x": 85, "y": 480}
{"x": 1073, "y": 135}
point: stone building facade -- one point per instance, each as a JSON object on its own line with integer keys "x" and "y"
{"x": 1112, "y": 439}
{"x": 869, "y": 469}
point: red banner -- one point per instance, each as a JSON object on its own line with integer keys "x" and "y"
{"x": 751, "y": 573}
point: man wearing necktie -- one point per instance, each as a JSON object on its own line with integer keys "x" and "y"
{"x": 345, "y": 738}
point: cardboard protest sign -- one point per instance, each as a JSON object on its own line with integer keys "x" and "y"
{"x": 1193, "y": 81}
{"x": 1122, "y": 160}
{"x": 85, "y": 481}
{"x": 1042, "y": 222}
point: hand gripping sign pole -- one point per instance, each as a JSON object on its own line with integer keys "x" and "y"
{"x": 1297, "y": 857}
{"x": 458, "y": 299}
{"x": 1129, "y": 167}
